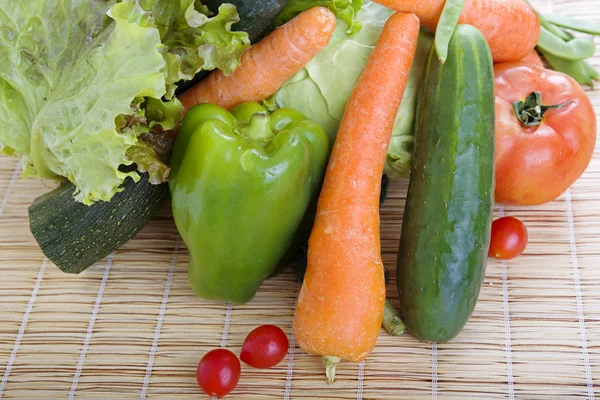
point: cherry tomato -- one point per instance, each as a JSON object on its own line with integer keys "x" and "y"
{"x": 540, "y": 150}
{"x": 264, "y": 347}
{"x": 509, "y": 238}
{"x": 218, "y": 372}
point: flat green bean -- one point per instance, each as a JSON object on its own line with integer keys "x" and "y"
{"x": 548, "y": 25}
{"x": 446, "y": 26}
{"x": 573, "y": 24}
{"x": 574, "y": 49}
{"x": 575, "y": 69}
{"x": 554, "y": 29}
{"x": 592, "y": 72}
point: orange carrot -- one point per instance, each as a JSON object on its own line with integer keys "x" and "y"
{"x": 533, "y": 58}
{"x": 341, "y": 302}
{"x": 268, "y": 64}
{"x": 511, "y": 27}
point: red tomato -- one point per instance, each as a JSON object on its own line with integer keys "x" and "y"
{"x": 218, "y": 372}
{"x": 536, "y": 164}
{"x": 264, "y": 347}
{"x": 509, "y": 238}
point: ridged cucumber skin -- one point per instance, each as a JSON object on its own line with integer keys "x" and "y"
{"x": 449, "y": 206}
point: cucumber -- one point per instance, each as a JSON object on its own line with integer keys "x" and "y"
{"x": 448, "y": 213}
{"x": 74, "y": 236}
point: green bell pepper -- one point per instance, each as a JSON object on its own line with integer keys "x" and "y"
{"x": 241, "y": 183}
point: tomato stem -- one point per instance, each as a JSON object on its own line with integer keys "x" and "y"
{"x": 531, "y": 111}
{"x": 392, "y": 322}
{"x": 330, "y": 363}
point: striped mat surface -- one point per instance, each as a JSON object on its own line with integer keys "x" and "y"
{"x": 130, "y": 327}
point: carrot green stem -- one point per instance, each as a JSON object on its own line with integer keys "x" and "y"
{"x": 330, "y": 363}
{"x": 392, "y": 322}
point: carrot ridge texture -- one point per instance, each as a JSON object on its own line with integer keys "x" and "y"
{"x": 268, "y": 64}
{"x": 511, "y": 27}
{"x": 340, "y": 306}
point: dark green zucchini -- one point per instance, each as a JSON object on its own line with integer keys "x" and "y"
{"x": 256, "y": 16}
{"x": 74, "y": 236}
{"x": 448, "y": 214}
{"x": 385, "y": 184}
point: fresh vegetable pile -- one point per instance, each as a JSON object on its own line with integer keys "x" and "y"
{"x": 280, "y": 157}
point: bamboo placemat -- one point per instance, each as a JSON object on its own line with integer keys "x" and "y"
{"x": 130, "y": 327}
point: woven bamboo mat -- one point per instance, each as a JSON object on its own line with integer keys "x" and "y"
{"x": 130, "y": 327}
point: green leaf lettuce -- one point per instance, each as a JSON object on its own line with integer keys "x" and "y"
{"x": 87, "y": 86}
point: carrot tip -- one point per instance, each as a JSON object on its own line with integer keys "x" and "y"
{"x": 330, "y": 363}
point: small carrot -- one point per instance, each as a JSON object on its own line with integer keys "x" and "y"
{"x": 341, "y": 303}
{"x": 268, "y": 64}
{"x": 533, "y": 58}
{"x": 511, "y": 27}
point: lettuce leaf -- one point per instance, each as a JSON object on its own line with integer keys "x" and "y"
{"x": 87, "y": 86}
{"x": 195, "y": 41}
{"x": 153, "y": 149}
{"x": 344, "y": 10}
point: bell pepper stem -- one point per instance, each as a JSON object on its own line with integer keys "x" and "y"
{"x": 330, "y": 363}
{"x": 259, "y": 128}
{"x": 392, "y": 322}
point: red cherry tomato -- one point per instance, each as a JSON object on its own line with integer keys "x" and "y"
{"x": 218, "y": 372}
{"x": 509, "y": 238}
{"x": 264, "y": 347}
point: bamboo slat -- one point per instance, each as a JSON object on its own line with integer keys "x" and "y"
{"x": 130, "y": 327}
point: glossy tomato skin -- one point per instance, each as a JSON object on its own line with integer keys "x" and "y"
{"x": 218, "y": 372}
{"x": 264, "y": 347}
{"x": 536, "y": 165}
{"x": 509, "y": 238}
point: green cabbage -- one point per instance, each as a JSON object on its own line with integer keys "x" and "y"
{"x": 87, "y": 86}
{"x": 323, "y": 87}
